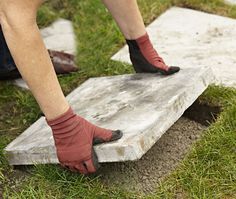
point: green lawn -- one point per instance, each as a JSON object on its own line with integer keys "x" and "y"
{"x": 208, "y": 171}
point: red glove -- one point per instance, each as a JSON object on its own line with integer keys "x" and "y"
{"x": 145, "y": 58}
{"x": 74, "y": 138}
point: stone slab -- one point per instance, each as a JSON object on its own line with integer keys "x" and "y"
{"x": 58, "y": 36}
{"x": 187, "y": 38}
{"x": 21, "y": 83}
{"x": 232, "y": 2}
{"x": 143, "y": 106}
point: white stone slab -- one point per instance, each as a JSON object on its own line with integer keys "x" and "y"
{"x": 58, "y": 36}
{"x": 233, "y": 2}
{"x": 143, "y": 106}
{"x": 20, "y": 83}
{"x": 189, "y": 38}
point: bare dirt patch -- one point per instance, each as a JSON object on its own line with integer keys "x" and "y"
{"x": 143, "y": 175}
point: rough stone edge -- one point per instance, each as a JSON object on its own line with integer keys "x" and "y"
{"x": 131, "y": 152}
{"x": 140, "y": 145}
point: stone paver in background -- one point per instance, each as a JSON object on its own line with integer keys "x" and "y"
{"x": 233, "y": 2}
{"x": 190, "y": 38}
{"x": 58, "y": 36}
{"x": 143, "y": 106}
{"x": 21, "y": 83}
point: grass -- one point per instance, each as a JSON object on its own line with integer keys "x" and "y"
{"x": 208, "y": 171}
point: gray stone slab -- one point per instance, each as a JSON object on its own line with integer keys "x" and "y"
{"x": 58, "y": 36}
{"x": 189, "y": 38}
{"x": 232, "y": 2}
{"x": 143, "y": 106}
{"x": 21, "y": 83}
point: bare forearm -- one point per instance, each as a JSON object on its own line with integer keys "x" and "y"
{"x": 35, "y": 66}
{"x": 33, "y": 62}
{"x": 127, "y": 15}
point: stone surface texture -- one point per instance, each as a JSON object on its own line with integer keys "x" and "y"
{"x": 143, "y": 106}
{"x": 58, "y": 36}
{"x": 188, "y": 38}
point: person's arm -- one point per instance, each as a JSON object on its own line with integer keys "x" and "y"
{"x": 144, "y": 57}
{"x": 127, "y": 16}
{"x": 18, "y": 21}
{"x": 74, "y": 136}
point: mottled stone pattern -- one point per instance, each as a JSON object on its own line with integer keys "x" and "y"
{"x": 58, "y": 36}
{"x": 188, "y": 38}
{"x": 143, "y": 106}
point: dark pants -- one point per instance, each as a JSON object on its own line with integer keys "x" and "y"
{"x": 7, "y": 64}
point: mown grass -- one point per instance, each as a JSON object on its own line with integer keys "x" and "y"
{"x": 207, "y": 172}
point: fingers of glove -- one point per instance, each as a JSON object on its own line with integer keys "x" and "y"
{"x": 69, "y": 167}
{"x": 115, "y": 136}
{"x": 75, "y": 168}
{"x": 90, "y": 166}
{"x": 81, "y": 168}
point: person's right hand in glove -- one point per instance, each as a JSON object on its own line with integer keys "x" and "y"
{"x": 74, "y": 138}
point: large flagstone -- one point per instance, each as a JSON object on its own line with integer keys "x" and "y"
{"x": 188, "y": 38}
{"x": 143, "y": 106}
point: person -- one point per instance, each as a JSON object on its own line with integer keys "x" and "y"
{"x": 73, "y": 135}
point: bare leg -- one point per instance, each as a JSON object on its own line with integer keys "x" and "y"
{"x": 18, "y": 21}
{"x": 127, "y": 15}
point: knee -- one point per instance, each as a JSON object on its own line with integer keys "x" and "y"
{"x": 18, "y": 13}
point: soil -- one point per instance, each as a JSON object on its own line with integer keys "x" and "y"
{"x": 202, "y": 113}
{"x": 143, "y": 175}
{"x": 14, "y": 179}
